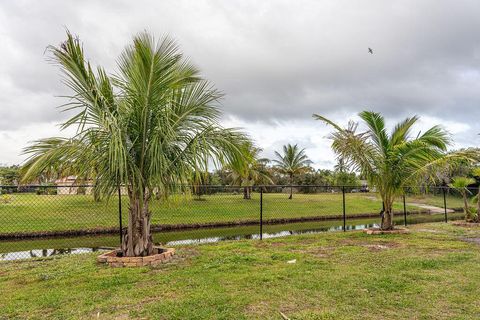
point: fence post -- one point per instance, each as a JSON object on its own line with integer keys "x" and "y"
{"x": 120, "y": 214}
{"x": 404, "y": 210}
{"x": 261, "y": 213}
{"x": 445, "y": 202}
{"x": 344, "y": 217}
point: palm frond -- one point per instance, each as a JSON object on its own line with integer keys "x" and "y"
{"x": 377, "y": 131}
{"x": 401, "y": 131}
{"x": 149, "y": 127}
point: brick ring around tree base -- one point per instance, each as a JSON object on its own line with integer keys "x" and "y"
{"x": 380, "y": 231}
{"x": 113, "y": 260}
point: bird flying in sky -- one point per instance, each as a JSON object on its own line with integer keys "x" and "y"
{"x": 370, "y": 50}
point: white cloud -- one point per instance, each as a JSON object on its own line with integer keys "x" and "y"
{"x": 271, "y": 136}
{"x": 14, "y": 141}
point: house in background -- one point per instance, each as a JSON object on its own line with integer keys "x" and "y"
{"x": 70, "y": 186}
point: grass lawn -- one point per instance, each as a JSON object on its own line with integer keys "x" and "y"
{"x": 453, "y": 201}
{"x": 29, "y": 212}
{"x": 431, "y": 273}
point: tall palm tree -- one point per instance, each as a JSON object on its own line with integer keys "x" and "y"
{"x": 148, "y": 127}
{"x": 340, "y": 166}
{"x": 461, "y": 185}
{"x": 391, "y": 162}
{"x": 251, "y": 170}
{"x": 293, "y": 161}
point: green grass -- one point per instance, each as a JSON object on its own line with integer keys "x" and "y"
{"x": 29, "y": 212}
{"x": 430, "y": 273}
{"x": 453, "y": 202}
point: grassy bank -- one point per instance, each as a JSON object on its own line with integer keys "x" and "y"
{"x": 453, "y": 202}
{"x": 29, "y": 212}
{"x": 431, "y": 273}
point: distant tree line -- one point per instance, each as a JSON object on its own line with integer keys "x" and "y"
{"x": 311, "y": 176}
{"x": 262, "y": 171}
{"x": 9, "y": 175}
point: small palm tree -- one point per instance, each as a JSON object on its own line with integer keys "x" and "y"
{"x": 391, "y": 162}
{"x": 461, "y": 185}
{"x": 148, "y": 127}
{"x": 293, "y": 161}
{"x": 250, "y": 170}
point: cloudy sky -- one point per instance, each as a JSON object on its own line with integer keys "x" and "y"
{"x": 276, "y": 61}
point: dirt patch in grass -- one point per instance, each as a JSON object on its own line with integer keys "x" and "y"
{"x": 378, "y": 247}
{"x": 321, "y": 252}
{"x": 184, "y": 256}
{"x": 263, "y": 309}
{"x": 373, "y": 246}
{"x": 187, "y": 252}
{"x": 259, "y": 308}
{"x": 472, "y": 240}
{"x": 276, "y": 244}
{"x": 466, "y": 224}
{"x": 429, "y": 230}
{"x": 280, "y": 244}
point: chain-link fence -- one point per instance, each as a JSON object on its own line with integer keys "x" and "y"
{"x": 39, "y": 221}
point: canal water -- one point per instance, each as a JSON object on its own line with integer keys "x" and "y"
{"x": 49, "y": 247}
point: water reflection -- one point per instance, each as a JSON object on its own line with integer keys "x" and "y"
{"x": 267, "y": 235}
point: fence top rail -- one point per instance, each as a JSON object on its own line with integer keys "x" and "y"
{"x": 48, "y": 186}
{"x": 193, "y": 186}
{"x": 239, "y": 186}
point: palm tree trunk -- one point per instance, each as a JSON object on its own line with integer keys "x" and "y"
{"x": 96, "y": 192}
{"x": 465, "y": 206}
{"x": 291, "y": 187}
{"x": 478, "y": 204}
{"x": 247, "y": 193}
{"x": 198, "y": 192}
{"x": 138, "y": 240}
{"x": 387, "y": 218}
{"x": 96, "y": 195}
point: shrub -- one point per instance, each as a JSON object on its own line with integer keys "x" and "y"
{"x": 44, "y": 190}
{"x": 5, "y": 198}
